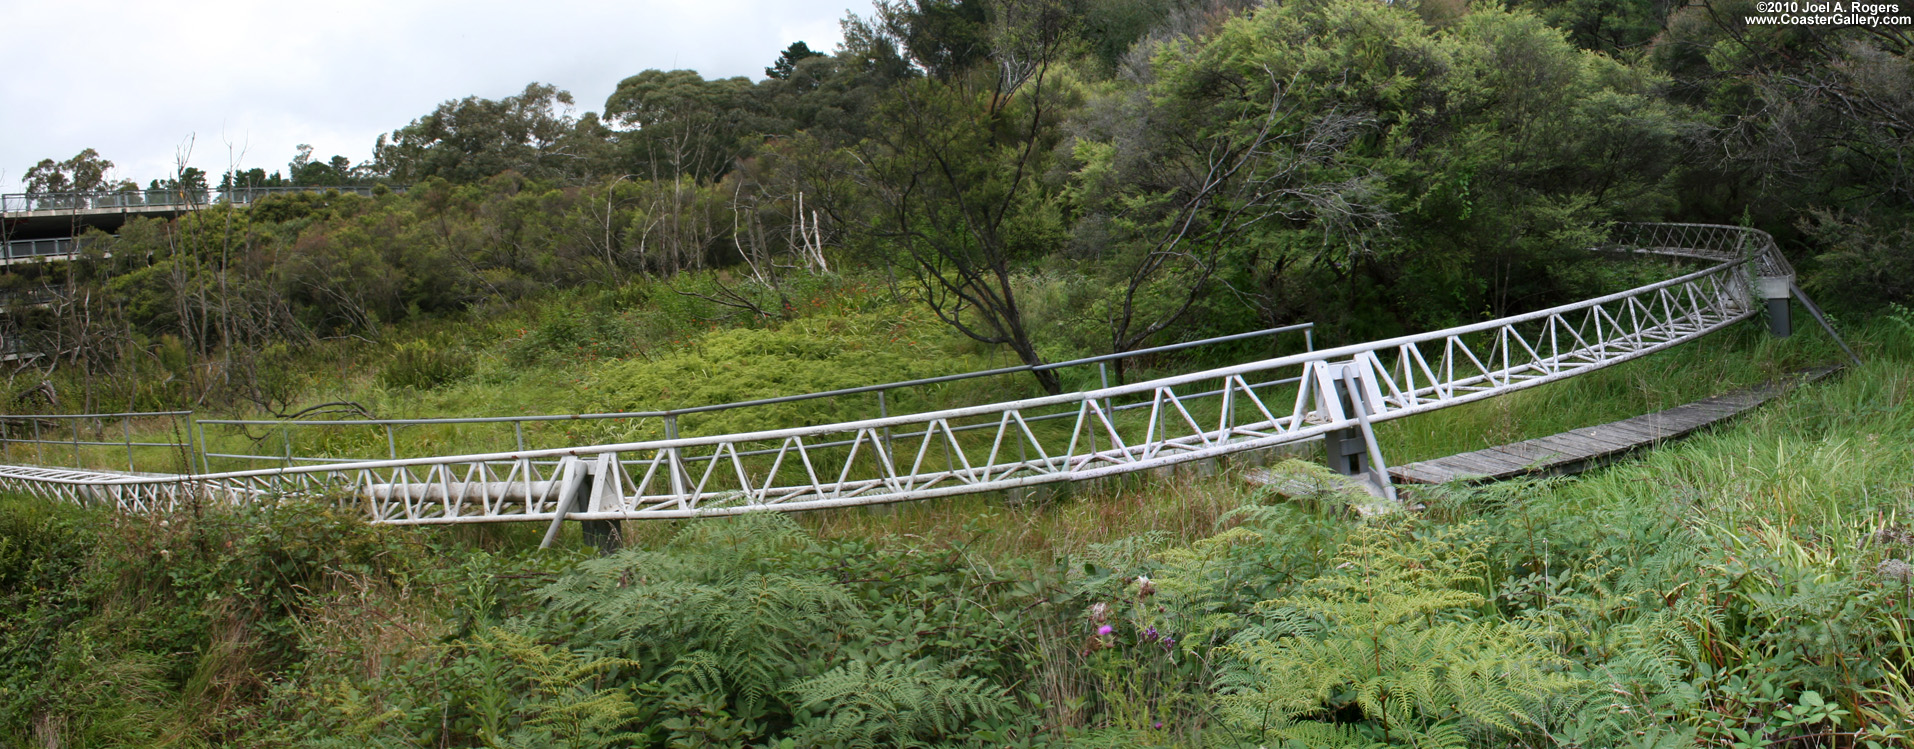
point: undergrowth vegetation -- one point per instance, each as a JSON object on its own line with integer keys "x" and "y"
{"x": 1748, "y": 587}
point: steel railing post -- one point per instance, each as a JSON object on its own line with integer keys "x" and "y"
{"x": 126, "y": 422}
{"x": 205, "y": 458}
{"x": 76, "y": 443}
{"x": 1103, "y": 373}
{"x": 391, "y": 444}
{"x": 884, "y": 413}
{"x": 187, "y": 457}
{"x": 671, "y": 457}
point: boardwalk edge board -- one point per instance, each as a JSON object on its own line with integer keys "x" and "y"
{"x": 1616, "y": 438}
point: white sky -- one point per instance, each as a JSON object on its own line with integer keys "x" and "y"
{"x": 249, "y": 81}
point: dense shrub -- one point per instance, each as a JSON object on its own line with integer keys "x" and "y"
{"x": 422, "y": 366}
{"x": 183, "y": 617}
{"x": 573, "y": 332}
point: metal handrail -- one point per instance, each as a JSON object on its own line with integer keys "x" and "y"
{"x": 121, "y": 415}
{"x": 670, "y": 416}
{"x": 126, "y": 424}
{"x": 1308, "y": 329}
{"x": 101, "y": 200}
{"x": 20, "y": 249}
{"x": 842, "y": 443}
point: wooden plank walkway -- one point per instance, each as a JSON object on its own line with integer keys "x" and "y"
{"x": 1578, "y": 450}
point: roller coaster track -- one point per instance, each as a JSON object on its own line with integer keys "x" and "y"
{"x": 1020, "y": 443}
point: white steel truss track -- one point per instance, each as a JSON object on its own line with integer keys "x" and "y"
{"x": 1004, "y": 445}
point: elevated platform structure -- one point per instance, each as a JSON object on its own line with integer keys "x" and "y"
{"x": 35, "y": 216}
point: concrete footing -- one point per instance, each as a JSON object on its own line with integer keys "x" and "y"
{"x": 1777, "y": 292}
{"x": 602, "y": 534}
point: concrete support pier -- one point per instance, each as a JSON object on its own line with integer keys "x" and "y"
{"x": 1777, "y": 292}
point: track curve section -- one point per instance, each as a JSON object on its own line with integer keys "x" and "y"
{"x": 1063, "y": 438}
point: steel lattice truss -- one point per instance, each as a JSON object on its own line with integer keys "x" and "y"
{"x": 1068, "y": 437}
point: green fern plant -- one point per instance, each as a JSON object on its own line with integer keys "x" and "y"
{"x": 900, "y": 704}
{"x": 716, "y": 609}
{"x": 749, "y": 629}
{"x": 552, "y": 698}
{"x": 1391, "y": 635}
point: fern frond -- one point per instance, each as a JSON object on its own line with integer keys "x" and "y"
{"x": 1390, "y": 632}
{"x": 895, "y": 703}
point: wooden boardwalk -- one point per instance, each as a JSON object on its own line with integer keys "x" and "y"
{"x": 1578, "y": 450}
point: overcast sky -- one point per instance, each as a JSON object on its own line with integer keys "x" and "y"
{"x": 247, "y": 81}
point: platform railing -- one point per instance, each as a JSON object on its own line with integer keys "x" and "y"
{"x": 92, "y": 201}
{"x": 83, "y": 442}
{"x": 291, "y": 450}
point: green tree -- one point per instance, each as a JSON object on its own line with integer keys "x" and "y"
{"x": 788, "y": 60}
{"x": 336, "y": 171}
{"x": 1173, "y": 177}
{"x": 677, "y": 123}
{"x": 255, "y": 177}
{"x": 1495, "y": 145}
{"x": 85, "y": 172}
{"x": 956, "y": 180}
{"x": 188, "y": 179}
{"x": 943, "y": 38}
{"x": 1808, "y": 134}
{"x": 533, "y": 133}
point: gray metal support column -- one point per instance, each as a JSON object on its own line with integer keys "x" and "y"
{"x": 575, "y": 489}
{"x": 1348, "y": 452}
{"x": 1354, "y": 452}
{"x": 1815, "y": 310}
{"x": 602, "y": 534}
{"x": 573, "y": 477}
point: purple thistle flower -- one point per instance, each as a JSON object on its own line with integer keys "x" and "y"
{"x": 1169, "y": 642}
{"x": 1149, "y": 634}
{"x": 1105, "y": 630}
{"x": 1159, "y": 724}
